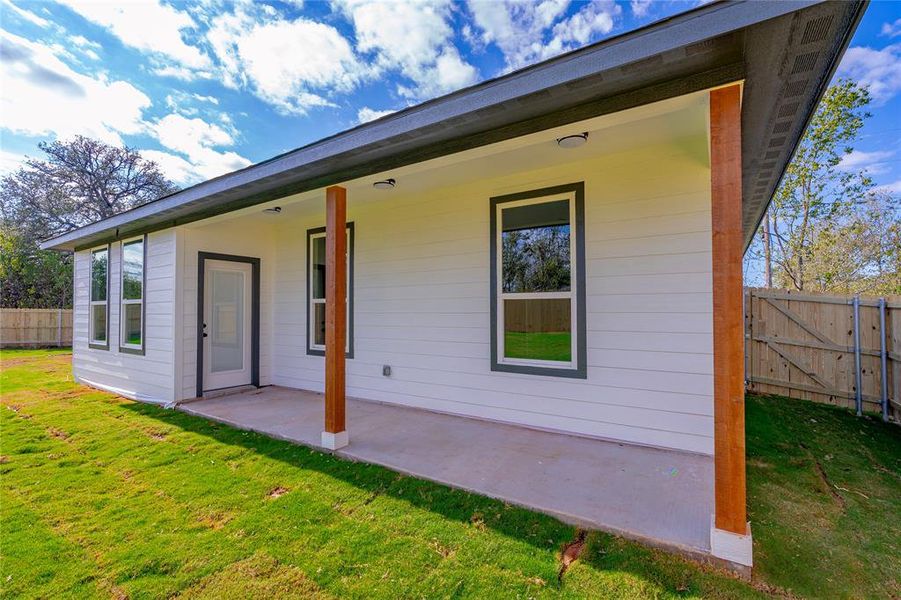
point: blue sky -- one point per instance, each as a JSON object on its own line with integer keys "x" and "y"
{"x": 207, "y": 87}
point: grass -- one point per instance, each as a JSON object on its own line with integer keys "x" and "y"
{"x": 538, "y": 346}
{"x": 103, "y": 497}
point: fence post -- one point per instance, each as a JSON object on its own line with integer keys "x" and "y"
{"x": 858, "y": 392}
{"x": 883, "y": 359}
{"x": 59, "y": 328}
{"x": 749, "y": 340}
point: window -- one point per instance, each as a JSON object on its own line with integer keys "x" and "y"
{"x": 131, "y": 315}
{"x": 538, "y": 282}
{"x": 316, "y": 291}
{"x": 98, "y": 320}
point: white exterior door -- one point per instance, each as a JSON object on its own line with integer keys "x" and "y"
{"x": 226, "y": 324}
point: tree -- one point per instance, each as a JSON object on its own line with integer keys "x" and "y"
{"x": 860, "y": 254}
{"x": 815, "y": 193}
{"x": 80, "y": 181}
{"x": 536, "y": 259}
{"x": 30, "y": 277}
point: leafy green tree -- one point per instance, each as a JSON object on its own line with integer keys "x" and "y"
{"x": 32, "y": 278}
{"x": 861, "y": 254}
{"x": 79, "y": 181}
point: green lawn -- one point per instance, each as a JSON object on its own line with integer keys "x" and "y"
{"x": 103, "y": 497}
{"x": 538, "y": 346}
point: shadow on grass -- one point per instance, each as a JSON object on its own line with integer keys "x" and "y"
{"x": 646, "y": 570}
{"x": 541, "y": 531}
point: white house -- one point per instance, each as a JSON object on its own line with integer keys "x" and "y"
{"x": 559, "y": 248}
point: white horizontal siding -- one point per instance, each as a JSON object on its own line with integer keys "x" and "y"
{"x": 234, "y": 238}
{"x": 421, "y": 294}
{"x": 150, "y": 377}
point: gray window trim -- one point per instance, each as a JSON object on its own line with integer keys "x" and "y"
{"x": 581, "y": 370}
{"x": 127, "y": 349}
{"x": 350, "y": 291}
{"x": 91, "y": 343}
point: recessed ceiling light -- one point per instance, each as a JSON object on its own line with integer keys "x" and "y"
{"x": 273, "y": 210}
{"x": 573, "y": 141}
{"x": 385, "y": 184}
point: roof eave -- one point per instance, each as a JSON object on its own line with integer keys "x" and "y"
{"x": 684, "y": 53}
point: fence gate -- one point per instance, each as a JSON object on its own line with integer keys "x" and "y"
{"x": 802, "y": 345}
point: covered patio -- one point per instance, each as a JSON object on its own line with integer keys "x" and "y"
{"x": 558, "y": 249}
{"x": 661, "y": 497}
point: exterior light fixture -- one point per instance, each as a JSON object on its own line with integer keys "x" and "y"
{"x": 573, "y": 141}
{"x": 385, "y": 184}
{"x": 274, "y": 210}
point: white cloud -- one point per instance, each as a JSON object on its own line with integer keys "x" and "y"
{"x": 202, "y": 98}
{"x": 578, "y": 30}
{"x": 10, "y": 161}
{"x": 83, "y": 42}
{"x": 186, "y": 102}
{"x": 26, "y": 15}
{"x": 414, "y": 39}
{"x": 516, "y": 28}
{"x": 197, "y": 140}
{"x": 640, "y": 8}
{"x": 316, "y": 57}
{"x": 891, "y": 29}
{"x": 224, "y": 33}
{"x": 448, "y": 73}
{"x": 189, "y": 135}
{"x": 148, "y": 26}
{"x": 296, "y": 65}
{"x": 890, "y": 188}
{"x": 90, "y": 53}
{"x": 85, "y": 46}
{"x": 880, "y": 70}
{"x": 43, "y": 96}
{"x": 293, "y": 65}
{"x": 873, "y": 162}
{"x": 366, "y": 114}
{"x": 204, "y": 165}
{"x": 406, "y": 34}
{"x": 526, "y": 33}
{"x": 174, "y": 167}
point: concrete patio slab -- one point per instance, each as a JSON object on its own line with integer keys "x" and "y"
{"x": 660, "y": 497}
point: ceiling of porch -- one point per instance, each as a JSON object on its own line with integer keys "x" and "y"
{"x": 680, "y": 121}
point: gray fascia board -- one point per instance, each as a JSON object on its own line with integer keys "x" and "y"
{"x": 669, "y": 34}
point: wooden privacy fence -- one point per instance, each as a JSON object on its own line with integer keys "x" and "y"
{"x": 812, "y": 346}
{"x": 537, "y": 316}
{"x": 35, "y": 327}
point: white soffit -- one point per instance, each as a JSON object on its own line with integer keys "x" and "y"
{"x": 649, "y": 125}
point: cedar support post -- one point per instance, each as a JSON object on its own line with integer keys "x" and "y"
{"x": 335, "y": 434}
{"x": 730, "y": 532}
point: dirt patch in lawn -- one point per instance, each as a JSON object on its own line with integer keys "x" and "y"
{"x": 277, "y": 492}
{"x": 58, "y": 434}
{"x": 259, "y": 576}
{"x": 215, "y": 520}
{"x": 46, "y": 362}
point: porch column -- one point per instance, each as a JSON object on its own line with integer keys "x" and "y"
{"x": 335, "y": 434}
{"x": 730, "y": 536}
